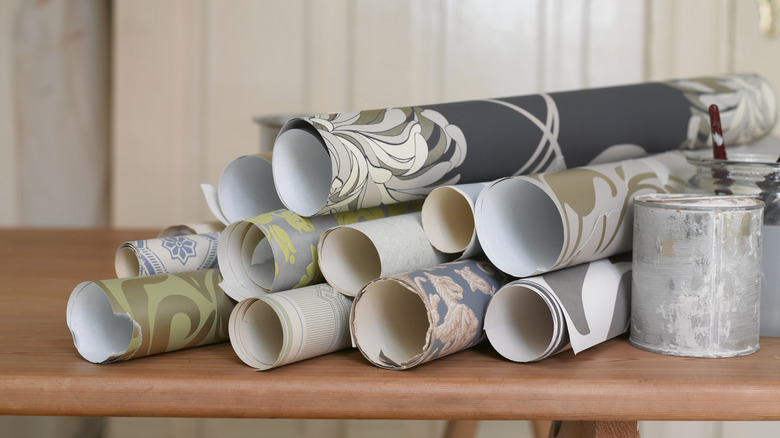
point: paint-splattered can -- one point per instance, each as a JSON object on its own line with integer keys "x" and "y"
{"x": 696, "y": 274}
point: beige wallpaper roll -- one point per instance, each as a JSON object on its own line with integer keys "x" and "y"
{"x": 448, "y": 219}
{"x": 290, "y": 326}
{"x": 531, "y": 224}
{"x": 351, "y": 255}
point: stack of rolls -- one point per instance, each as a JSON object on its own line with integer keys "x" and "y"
{"x": 413, "y": 233}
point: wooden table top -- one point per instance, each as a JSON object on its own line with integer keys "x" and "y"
{"x": 41, "y": 372}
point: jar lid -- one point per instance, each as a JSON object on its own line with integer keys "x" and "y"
{"x": 691, "y": 201}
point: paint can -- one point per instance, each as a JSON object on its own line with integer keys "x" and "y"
{"x": 696, "y": 278}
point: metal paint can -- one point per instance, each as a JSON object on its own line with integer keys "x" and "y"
{"x": 696, "y": 278}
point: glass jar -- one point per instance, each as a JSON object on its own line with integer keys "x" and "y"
{"x": 757, "y": 175}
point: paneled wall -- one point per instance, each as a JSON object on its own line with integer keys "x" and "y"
{"x": 190, "y": 76}
{"x": 8, "y": 156}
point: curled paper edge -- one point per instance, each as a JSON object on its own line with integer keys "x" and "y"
{"x": 236, "y": 282}
{"x": 527, "y": 302}
{"x": 264, "y": 339}
{"x": 212, "y": 200}
{"x": 408, "y": 346}
{"x": 110, "y": 338}
{"x": 246, "y": 187}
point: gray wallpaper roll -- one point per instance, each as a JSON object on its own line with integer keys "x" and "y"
{"x": 344, "y": 161}
{"x": 581, "y": 306}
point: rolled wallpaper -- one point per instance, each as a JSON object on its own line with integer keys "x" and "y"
{"x": 352, "y": 255}
{"x": 290, "y": 326}
{"x": 580, "y": 306}
{"x": 405, "y": 320}
{"x": 167, "y": 255}
{"x": 531, "y": 224}
{"x": 246, "y": 189}
{"x": 191, "y": 228}
{"x": 448, "y": 219}
{"x": 277, "y": 251}
{"x": 344, "y": 161}
{"x": 120, "y": 319}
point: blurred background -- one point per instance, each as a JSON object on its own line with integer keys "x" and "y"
{"x": 113, "y": 112}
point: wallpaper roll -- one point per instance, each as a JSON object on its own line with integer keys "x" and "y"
{"x": 532, "y": 224}
{"x": 277, "y": 251}
{"x": 290, "y": 326}
{"x": 120, "y": 319}
{"x": 344, "y": 161}
{"x": 352, "y": 255}
{"x": 448, "y": 219}
{"x": 581, "y": 306}
{"x": 186, "y": 229}
{"x": 246, "y": 189}
{"x": 167, "y": 255}
{"x": 405, "y": 320}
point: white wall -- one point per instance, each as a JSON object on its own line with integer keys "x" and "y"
{"x": 54, "y": 113}
{"x": 8, "y": 177}
{"x": 190, "y": 76}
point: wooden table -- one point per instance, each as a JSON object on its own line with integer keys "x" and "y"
{"x": 41, "y": 372}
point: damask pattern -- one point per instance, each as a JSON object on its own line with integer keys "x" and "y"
{"x": 167, "y": 255}
{"x": 455, "y": 295}
{"x": 168, "y": 312}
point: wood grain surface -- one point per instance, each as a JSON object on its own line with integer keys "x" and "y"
{"x": 41, "y": 372}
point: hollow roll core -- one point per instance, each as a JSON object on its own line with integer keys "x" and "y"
{"x": 262, "y": 335}
{"x": 519, "y": 324}
{"x": 519, "y": 227}
{"x": 98, "y": 332}
{"x": 126, "y": 263}
{"x": 448, "y": 220}
{"x": 348, "y": 260}
{"x": 390, "y": 321}
{"x": 302, "y": 171}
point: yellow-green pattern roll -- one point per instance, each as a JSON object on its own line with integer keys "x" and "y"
{"x": 125, "y": 318}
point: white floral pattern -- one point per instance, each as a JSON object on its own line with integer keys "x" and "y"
{"x": 389, "y": 156}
